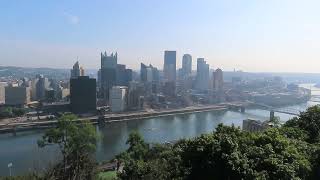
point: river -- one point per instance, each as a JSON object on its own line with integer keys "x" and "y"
{"x": 22, "y": 151}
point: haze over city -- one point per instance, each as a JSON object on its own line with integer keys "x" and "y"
{"x": 264, "y": 36}
{"x": 167, "y": 89}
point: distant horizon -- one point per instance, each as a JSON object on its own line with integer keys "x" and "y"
{"x": 254, "y": 36}
{"x": 194, "y": 70}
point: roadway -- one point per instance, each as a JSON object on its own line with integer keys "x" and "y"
{"x": 27, "y": 124}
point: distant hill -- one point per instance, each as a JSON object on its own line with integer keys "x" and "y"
{"x": 288, "y": 77}
{"x": 54, "y": 73}
{"x": 20, "y": 72}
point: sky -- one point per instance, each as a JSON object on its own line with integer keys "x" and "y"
{"x": 248, "y": 35}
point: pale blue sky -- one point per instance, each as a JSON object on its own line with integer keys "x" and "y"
{"x": 252, "y": 35}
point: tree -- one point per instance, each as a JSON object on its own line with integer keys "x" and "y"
{"x": 227, "y": 153}
{"x": 137, "y": 146}
{"x": 275, "y": 121}
{"x": 133, "y": 157}
{"x": 77, "y": 143}
{"x": 309, "y": 121}
{"x": 18, "y": 111}
{"x": 6, "y": 112}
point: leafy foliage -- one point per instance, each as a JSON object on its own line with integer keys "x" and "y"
{"x": 288, "y": 152}
{"x": 291, "y": 151}
{"x": 23, "y": 177}
{"x": 8, "y": 112}
{"x": 308, "y": 121}
{"x": 77, "y": 143}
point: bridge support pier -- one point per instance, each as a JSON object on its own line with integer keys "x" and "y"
{"x": 271, "y": 115}
{"x": 242, "y": 109}
{"x": 14, "y": 131}
{"x": 101, "y": 121}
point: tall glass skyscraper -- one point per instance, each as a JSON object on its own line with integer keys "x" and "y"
{"x": 112, "y": 74}
{"x": 169, "y": 67}
{"x": 202, "y": 79}
{"x": 186, "y": 65}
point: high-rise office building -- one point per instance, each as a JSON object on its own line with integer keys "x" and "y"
{"x": 99, "y": 79}
{"x": 143, "y": 72}
{"x": 75, "y": 71}
{"x": 202, "y": 79}
{"x": 169, "y": 68}
{"x": 186, "y": 65}
{"x": 123, "y": 75}
{"x": 149, "y": 76}
{"x": 83, "y": 94}
{"x": 108, "y": 73}
{"x": 118, "y": 98}
{"x": 218, "y": 80}
{"x": 169, "y": 88}
{"x": 39, "y": 86}
{"x": 135, "y": 95}
{"x": 149, "y": 73}
{"x": 109, "y": 61}
{"x": 112, "y": 74}
{"x": 17, "y": 95}
{"x": 128, "y": 76}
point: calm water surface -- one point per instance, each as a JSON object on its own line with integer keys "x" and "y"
{"x": 23, "y": 152}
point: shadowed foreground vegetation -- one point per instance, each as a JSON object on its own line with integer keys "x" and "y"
{"x": 290, "y": 151}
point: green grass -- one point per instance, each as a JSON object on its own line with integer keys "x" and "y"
{"x": 109, "y": 175}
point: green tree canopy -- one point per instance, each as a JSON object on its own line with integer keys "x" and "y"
{"x": 309, "y": 121}
{"x": 227, "y": 153}
{"x": 77, "y": 143}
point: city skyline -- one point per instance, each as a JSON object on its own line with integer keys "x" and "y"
{"x": 272, "y": 36}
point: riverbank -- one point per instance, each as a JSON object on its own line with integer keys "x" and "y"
{"x": 22, "y": 150}
{"x": 27, "y": 126}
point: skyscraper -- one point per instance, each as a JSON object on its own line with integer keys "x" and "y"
{"x": 186, "y": 65}
{"x": 77, "y": 70}
{"x": 218, "y": 80}
{"x": 148, "y": 73}
{"x": 143, "y": 72}
{"x": 109, "y": 61}
{"x": 108, "y": 73}
{"x": 83, "y": 94}
{"x": 123, "y": 75}
{"x": 135, "y": 95}
{"x": 112, "y": 74}
{"x": 202, "y": 79}
{"x": 169, "y": 67}
{"x": 118, "y": 98}
{"x": 41, "y": 85}
{"x": 99, "y": 79}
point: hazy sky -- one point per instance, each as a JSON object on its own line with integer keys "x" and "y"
{"x": 251, "y": 35}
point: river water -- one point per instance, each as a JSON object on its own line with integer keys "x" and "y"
{"x": 22, "y": 151}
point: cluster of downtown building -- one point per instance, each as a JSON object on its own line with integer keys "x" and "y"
{"x": 25, "y": 91}
{"x": 119, "y": 89}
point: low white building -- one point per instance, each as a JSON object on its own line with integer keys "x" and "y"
{"x": 118, "y": 98}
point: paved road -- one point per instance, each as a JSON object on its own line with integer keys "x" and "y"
{"x": 24, "y": 122}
